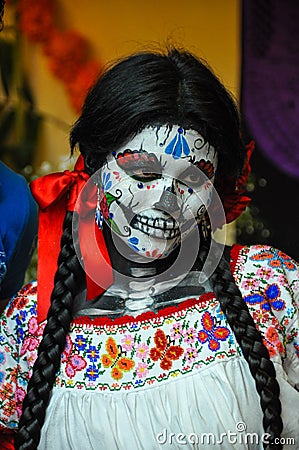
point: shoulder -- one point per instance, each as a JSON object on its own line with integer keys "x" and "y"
{"x": 263, "y": 262}
{"x": 269, "y": 283}
{"x": 20, "y": 335}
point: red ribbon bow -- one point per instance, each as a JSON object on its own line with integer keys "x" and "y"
{"x": 55, "y": 194}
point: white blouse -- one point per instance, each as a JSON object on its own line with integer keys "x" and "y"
{"x": 176, "y": 379}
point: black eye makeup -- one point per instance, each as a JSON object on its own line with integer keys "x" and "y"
{"x": 140, "y": 165}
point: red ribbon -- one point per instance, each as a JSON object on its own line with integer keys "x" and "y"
{"x": 55, "y": 194}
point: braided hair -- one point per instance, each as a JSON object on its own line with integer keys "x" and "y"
{"x": 146, "y": 89}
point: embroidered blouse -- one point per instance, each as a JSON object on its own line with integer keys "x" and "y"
{"x": 167, "y": 380}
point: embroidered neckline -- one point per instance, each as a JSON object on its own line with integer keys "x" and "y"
{"x": 146, "y": 316}
{"x": 164, "y": 312}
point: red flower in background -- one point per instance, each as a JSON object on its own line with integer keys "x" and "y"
{"x": 85, "y": 77}
{"x": 36, "y": 19}
{"x": 66, "y": 51}
{"x": 231, "y": 192}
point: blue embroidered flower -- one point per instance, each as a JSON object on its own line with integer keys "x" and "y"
{"x": 80, "y": 342}
{"x": 2, "y": 375}
{"x": 133, "y": 242}
{"x": 2, "y": 357}
{"x": 92, "y": 373}
{"x": 269, "y": 299}
{"x": 93, "y": 353}
{"x": 20, "y": 335}
{"x": 178, "y": 145}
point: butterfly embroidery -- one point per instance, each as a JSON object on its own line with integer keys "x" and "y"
{"x": 164, "y": 351}
{"x": 116, "y": 359}
{"x": 274, "y": 259}
{"x": 270, "y": 299}
{"x": 211, "y": 333}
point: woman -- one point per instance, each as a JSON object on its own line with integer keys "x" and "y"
{"x": 163, "y": 349}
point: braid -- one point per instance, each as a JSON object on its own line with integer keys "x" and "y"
{"x": 53, "y": 343}
{"x": 253, "y": 348}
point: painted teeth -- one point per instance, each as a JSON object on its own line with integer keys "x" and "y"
{"x": 159, "y": 228}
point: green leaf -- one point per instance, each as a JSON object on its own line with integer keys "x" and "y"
{"x": 114, "y": 226}
{"x": 110, "y": 198}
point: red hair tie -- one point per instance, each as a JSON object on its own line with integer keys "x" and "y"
{"x": 55, "y": 194}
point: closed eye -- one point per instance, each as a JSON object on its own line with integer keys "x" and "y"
{"x": 192, "y": 176}
{"x": 140, "y": 165}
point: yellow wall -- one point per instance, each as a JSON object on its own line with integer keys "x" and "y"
{"x": 209, "y": 28}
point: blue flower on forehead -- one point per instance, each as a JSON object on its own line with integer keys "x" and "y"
{"x": 178, "y": 145}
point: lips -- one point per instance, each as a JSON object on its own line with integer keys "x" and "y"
{"x": 157, "y": 227}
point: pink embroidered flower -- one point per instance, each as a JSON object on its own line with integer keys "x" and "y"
{"x": 74, "y": 364}
{"x": 127, "y": 342}
{"x": 19, "y": 397}
{"x": 67, "y": 349}
{"x": 191, "y": 354}
{"x": 190, "y": 335}
{"x": 29, "y": 344}
{"x": 142, "y": 351}
{"x": 265, "y": 273}
{"x": 142, "y": 369}
{"x": 250, "y": 284}
{"x": 176, "y": 331}
{"x": 34, "y": 327}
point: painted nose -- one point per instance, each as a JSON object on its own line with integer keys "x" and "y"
{"x": 168, "y": 201}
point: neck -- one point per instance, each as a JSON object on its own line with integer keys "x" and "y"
{"x": 126, "y": 261}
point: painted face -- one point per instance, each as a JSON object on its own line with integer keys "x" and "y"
{"x": 154, "y": 191}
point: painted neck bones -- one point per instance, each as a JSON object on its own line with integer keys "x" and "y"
{"x": 155, "y": 189}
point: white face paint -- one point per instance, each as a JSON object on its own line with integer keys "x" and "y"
{"x": 155, "y": 189}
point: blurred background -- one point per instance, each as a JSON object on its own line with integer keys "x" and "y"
{"x": 51, "y": 51}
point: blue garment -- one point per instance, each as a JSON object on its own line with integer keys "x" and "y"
{"x": 18, "y": 230}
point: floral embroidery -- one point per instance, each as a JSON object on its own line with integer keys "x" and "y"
{"x": 127, "y": 353}
{"x": 275, "y": 258}
{"x": 164, "y": 351}
{"x": 273, "y": 343}
{"x": 212, "y": 334}
{"x": 267, "y": 300}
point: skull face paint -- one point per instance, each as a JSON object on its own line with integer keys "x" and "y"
{"x": 154, "y": 190}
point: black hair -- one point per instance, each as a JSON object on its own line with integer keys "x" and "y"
{"x": 146, "y": 89}
{"x": 2, "y": 3}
